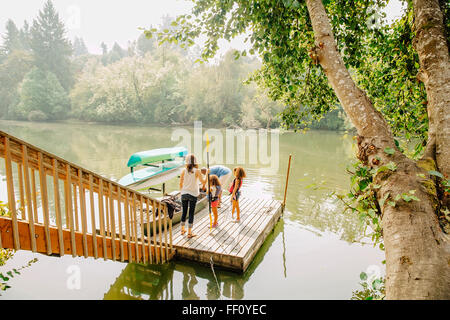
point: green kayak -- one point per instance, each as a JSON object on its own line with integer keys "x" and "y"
{"x": 156, "y": 155}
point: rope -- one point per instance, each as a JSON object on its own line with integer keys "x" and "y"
{"x": 215, "y": 277}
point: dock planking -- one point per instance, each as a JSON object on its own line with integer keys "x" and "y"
{"x": 231, "y": 245}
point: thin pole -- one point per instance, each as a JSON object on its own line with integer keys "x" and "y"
{"x": 287, "y": 181}
{"x": 209, "y": 187}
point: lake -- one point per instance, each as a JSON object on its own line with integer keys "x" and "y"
{"x": 316, "y": 251}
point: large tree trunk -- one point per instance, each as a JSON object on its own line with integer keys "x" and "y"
{"x": 417, "y": 263}
{"x": 431, "y": 46}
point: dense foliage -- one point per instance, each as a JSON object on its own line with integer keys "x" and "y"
{"x": 36, "y": 70}
{"x": 51, "y": 49}
{"x": 45, "y": 77}
{"x": 378, "y": 53}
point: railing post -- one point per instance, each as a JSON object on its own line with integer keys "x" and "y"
{"x": 171, "y": 236}
{"x": 154, "y": 231}
{"x": 113, "y": 225}
{"x": 149, "y": 238}
{"x": 75, "y": 205}
{"x": 119, "y": 214}
{"x": 101, "y": 214}
{"x": 22, "y": 196}
{"x": 107, "y": 229}
{"x": 26, "y": 171}
{"x": 160, "y": 217}
{"x": 34, "y": 196}
{"x": 127, "y": 226}
{"x": 58, "y": 206}
{"x": 69, "y": 216}
{"x": 134, "y": 221}
{"x": 144, "y": 257}
{"x": 44, "y": 199}
{"x": 11, "y": 199}
{"x": 94, "y": 229}
{"x": 83, "y": 211}
{"x": 166, "y": 244}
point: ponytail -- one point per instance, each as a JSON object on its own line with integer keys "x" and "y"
{"x": 191, "y": 162}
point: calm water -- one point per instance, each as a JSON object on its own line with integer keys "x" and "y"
{"x": 315, "y": 252}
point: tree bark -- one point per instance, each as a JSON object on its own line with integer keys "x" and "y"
{"x": 431, "y": 46}
{"x": 417, "y": 251}
{"x": 417, "y": 255}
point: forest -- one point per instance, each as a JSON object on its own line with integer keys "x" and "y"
{"x": 45, "y": 76}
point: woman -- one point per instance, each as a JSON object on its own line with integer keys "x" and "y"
{"x": 189, "y": 185}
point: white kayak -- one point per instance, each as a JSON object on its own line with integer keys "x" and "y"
{"x": 153, "y": 175}
{"x": 160, "y": 165}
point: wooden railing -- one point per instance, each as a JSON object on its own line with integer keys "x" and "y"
{"x": 99, "y": 219}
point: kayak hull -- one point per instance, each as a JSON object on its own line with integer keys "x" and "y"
{"x": 150, "y": 176}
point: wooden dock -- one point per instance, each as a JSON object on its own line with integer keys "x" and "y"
{"x": 231, "y": 245}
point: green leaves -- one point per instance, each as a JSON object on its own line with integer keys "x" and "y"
{"x": 383, "y": 199}
{"x": 389, "y": 150}
{"x": 390, "y": 166}
{"x": 12, "y": 273}
{"x": 42, "y": 94}
{"x": 409, "y": 198}
{"x": 389, "y": 78}
{"x": 436, "y": 173}
{"x": 372, "y": 288}
{"x": 377, "y": 284}
{"x": 293, "y": 4}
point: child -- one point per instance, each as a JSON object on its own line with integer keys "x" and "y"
{"x": 223, "y": 173}
{"x": 239, "y": 174}
{"x": 189, "y": 181}
{"x": 216, "y": 191}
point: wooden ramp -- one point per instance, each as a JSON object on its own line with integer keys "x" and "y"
{"x": 231, "y": 245}
{"x": 68, "y": 209}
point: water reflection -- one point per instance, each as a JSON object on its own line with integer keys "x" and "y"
{"x": 138, "y": 282}
{"x": 156, "y": 282}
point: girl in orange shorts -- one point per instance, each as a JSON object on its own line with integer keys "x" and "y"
{"x": 215, "y": 193}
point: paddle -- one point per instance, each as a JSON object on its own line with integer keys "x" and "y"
{"x": 209, "y": 188}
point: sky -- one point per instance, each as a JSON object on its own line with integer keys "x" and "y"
{"x": 110, "y": 21}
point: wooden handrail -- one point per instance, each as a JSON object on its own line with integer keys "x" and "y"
{"x": 118, "y": 213}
